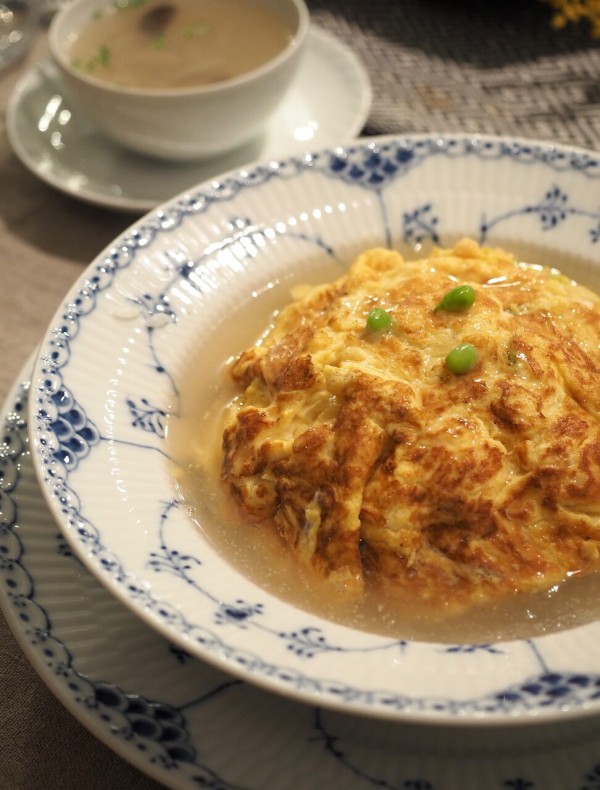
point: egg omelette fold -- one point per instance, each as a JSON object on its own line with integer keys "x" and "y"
{"x": 379, "y": 465}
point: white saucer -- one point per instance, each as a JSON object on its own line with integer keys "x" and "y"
{"x": 329, "y": 102}
{"x": 182, "y": 721}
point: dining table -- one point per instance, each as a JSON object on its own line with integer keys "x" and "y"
{"x": 514, "y": 68}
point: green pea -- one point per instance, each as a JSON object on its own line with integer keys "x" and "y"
{"x": 379, "y": 319}
{"x": 462, "y": 358}
{"x": 459, "y": 298}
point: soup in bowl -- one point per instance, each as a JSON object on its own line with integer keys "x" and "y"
{"x": 179, "y": 79}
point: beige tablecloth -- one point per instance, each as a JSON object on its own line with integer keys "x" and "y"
{"x": 442, "y": 66}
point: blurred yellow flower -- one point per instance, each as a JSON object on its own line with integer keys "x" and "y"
{"x": 569, "y": 11}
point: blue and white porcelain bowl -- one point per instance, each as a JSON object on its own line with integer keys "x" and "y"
{"x": 198, "y": 279}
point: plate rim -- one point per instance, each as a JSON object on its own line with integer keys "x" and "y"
{"x": 90, "y": 717}
{"x": 317, "y": 697}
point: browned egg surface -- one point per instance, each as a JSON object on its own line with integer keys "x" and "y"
{"x": 384, "y": 470}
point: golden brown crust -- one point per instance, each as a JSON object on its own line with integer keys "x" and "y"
{"x": 376, "y": 462}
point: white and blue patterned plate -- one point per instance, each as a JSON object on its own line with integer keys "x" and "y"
{"x": 196, "y": 280}
{"x": 180, "y": 721}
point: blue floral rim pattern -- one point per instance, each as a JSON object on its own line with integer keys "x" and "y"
{"x": 65, "y": 436}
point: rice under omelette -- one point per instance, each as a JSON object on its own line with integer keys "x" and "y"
{"x": 380, "y": 466}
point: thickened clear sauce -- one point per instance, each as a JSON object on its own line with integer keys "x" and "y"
{"x": 257, "y": 552}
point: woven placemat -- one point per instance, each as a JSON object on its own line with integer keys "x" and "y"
{"x": 498, "y": 68}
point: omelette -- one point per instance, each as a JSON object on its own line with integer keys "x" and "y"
{"x": 398, "y": 434}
